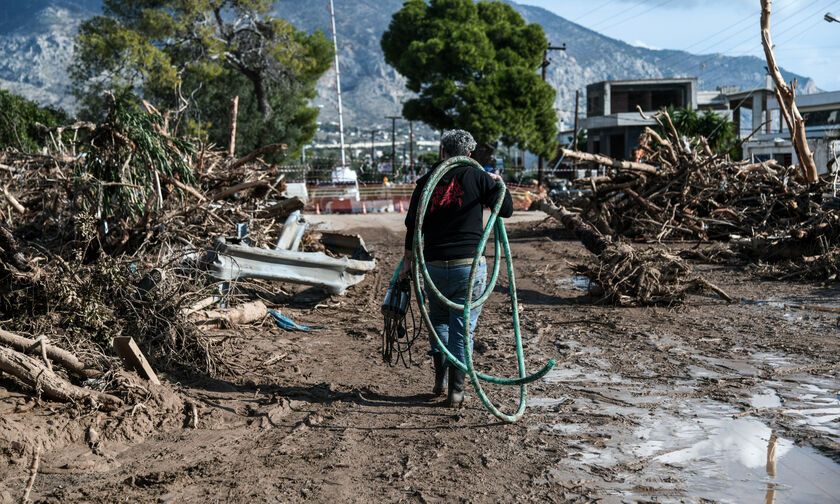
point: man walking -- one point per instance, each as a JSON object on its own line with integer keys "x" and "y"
{"x": 452, "y": 228}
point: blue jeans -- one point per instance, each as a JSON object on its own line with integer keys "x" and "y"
{"x": 448, "y": 323}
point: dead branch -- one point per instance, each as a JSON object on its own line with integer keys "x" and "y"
{"x": 255, "y": 154}
{"x": 36, "y": 375}
{"x": 238, "y": 187}
{"x": 33, "y": 472}
{"x": 62, "y": 357}
{"x": 607, "y": 161}
{"x": 788, "y": 100}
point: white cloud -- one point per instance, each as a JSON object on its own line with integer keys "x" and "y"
{"x": 639, "y": 43}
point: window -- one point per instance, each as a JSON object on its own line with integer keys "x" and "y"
{"x": 829, "y": 117}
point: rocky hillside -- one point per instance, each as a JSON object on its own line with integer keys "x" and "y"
{"x": 36, "y": 44}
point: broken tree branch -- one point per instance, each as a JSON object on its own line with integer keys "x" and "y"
{"x": 787, "y": 103}
{"x": 608, "y": 161}
{"x": 62, "y": 357}
{"x": 36, "y": 375}
{"x": 234, "y": 112}
{"x": 255, "y": 154}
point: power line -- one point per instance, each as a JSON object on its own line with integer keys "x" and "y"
{"x": 591, "y": 11}
{"x": 705, "y": 49}
{"x": 622, "y": 21}
{"x": 808, "y": 18}
{"x": 596, "y": 26}
{"x": 719, "y": 72}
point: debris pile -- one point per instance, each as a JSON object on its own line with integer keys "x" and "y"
{"x": 626, "y": 276}
{"x": 109, "y": 234}
{"x": 679, "y": 190}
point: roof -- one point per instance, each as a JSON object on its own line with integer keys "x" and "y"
{"x": 675, "y": 80}
{"x": 818, "y": 100}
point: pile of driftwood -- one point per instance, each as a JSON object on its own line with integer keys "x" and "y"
{"x": 78, "y": 270}
{"x": 626, "y": 276}
{"x": 679, "y": 190}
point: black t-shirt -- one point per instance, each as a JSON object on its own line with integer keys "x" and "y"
{"x": 453, "y": 222}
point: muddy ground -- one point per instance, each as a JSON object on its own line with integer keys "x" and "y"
{"x": 645, "y": 404}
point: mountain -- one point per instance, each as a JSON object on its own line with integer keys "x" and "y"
{"x": 36, "y": 46}
{"x": 36, "y": 42}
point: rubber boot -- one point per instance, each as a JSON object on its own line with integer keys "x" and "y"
{"x": 456, "y": 387}
{"x": 440, "y": 374}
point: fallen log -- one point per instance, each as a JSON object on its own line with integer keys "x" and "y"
{"x": 593, "y": 240}
{"x": 255, "y": 154}
{"x": 627, "y": 277}
{"x": 242, "y": 314}
{"x": 238, "y": 187}
{"x": 60, "y": 356}
{"x": 282, "y": 209}
{"x": 36, "y": 375}
{"x": 608, "y": 161}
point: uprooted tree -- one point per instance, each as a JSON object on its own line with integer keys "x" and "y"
{"x": 786, "y": 96}
{"x": 473, "y": 66}
{"x": 194, "y": 57}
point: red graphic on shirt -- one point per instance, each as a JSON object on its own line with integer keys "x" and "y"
{"x": 447, "y": 195}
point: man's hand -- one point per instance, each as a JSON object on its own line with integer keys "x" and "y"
{"x": 407, "y": 266}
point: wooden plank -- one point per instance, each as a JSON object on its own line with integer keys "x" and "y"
{"x": 133, "y": 358}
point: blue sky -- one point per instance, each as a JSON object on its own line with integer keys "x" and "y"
{"x": 805, "y": 42}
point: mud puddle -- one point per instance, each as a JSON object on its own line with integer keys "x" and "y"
{"x": 709, "y": 449}
{"x": 576, "y": 282}
{"x": 730, "y": 459}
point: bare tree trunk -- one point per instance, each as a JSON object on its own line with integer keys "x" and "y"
{"x": 234, "y": 112}
{"x": 263, "y": 104}
{"x": 589, "y": 236}
{"x": 66, "y": 359}
{"x": 786, "y": 96}
{"x": 608, "y": 161}
{"x": 35, "y": 374}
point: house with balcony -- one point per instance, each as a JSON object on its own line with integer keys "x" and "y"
{"x": 612, "y": 122}
{"x": 821, "y": 112}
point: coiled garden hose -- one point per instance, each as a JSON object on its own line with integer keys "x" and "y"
{"x": 501, "y": 240}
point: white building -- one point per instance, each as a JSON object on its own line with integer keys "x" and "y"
{"x": 821, "y": 112}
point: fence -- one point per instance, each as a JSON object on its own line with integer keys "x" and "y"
{"x": 336, "y": 198}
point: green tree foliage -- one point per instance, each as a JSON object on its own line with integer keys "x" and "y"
{"x": 129, "y": 154}
{"x": 202, "y": 53}
{"x": 17, "y": 122}
{"x": 474, "y": 66}
{"x": 718, "y": 130}
{"x": 582, "y": 139}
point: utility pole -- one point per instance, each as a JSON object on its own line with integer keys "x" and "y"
{"x": 372, "y": 151}
{"x": 411, "y": 142}
{"x": 577, "y": 105}
{"x": 393, "y": 143}
{"x": 544, "y": 65}
{"x": 338, "y": 86}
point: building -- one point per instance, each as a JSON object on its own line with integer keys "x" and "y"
{"x": 821, "y": 112}
{"x": 614, "y": 124}
{"x": 612, "y": 121}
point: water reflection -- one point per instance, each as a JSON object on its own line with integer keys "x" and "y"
{"x": 770, "y": 496}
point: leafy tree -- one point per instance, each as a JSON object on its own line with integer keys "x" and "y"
{"x": 473, "y": 66}
{"x": 718, "y": 130}
{"x": 129, "y": 148}
{"x": 17, "y": 121}
{"x": 202, "y": 53}
{"x": 582, "y": 139}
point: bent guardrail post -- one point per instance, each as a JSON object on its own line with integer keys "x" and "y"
{"x": 228, "y": 262}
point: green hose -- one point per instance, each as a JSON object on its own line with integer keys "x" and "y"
{"x": 501, "y": 240}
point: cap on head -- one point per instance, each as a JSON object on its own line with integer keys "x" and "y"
{"x": 457, "y": 143}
